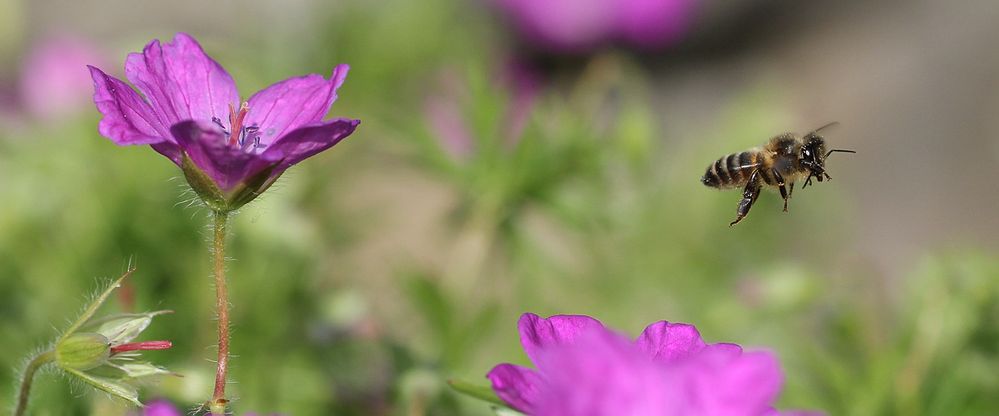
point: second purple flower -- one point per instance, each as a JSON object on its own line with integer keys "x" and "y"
{"x": 230, "y": 151}
{"x": 585, "y": 369}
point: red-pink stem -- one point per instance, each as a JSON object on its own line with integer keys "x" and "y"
{"x": 218, "y": 403}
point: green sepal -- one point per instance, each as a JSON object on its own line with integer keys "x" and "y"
{"x": 204, "y": 186}
{"x": 128, "y": 371}
{"x": 92, "y": 308}
{"x": 142, "y": 370}
{"x": 253, "y": 187}
{"x": 112, "y": 387}
{"x": 477, "y": 391}
{"x": 83, "y": 351}
{"x": 122, "y": 328}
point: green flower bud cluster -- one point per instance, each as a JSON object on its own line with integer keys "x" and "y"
{"x": 99, "y": 351}
{"x": 83, "y": 351}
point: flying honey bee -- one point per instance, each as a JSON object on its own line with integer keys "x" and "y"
{"x": 785, "y": 159}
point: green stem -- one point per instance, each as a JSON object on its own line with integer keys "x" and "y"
{"x": 218, "y": 403}
{"x": 28, "y": 377}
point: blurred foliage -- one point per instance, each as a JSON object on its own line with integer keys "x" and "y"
{"x": 591, "y": 208}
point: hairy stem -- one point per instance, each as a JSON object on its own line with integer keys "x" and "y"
{"x": 28, "y": 377}
{"x": 218, "y": 403}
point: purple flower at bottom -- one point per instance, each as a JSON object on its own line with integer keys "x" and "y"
{"x": 584, "y": 369}
{"x": 165, "y": 408}
{"x": 161, "y": 408}
{"x": 230, "y": 151}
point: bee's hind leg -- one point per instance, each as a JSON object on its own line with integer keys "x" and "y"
{"x": 749, "y": 195}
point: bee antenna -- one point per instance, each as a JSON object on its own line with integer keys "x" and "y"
{"x": 839, "y": 150}
{"x": 827, "y": 125}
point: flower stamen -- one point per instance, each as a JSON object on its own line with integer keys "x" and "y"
{"x": 246, "y": 138}
{"x": 218, "y": 122}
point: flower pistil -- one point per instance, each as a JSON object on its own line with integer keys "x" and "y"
{"x": 141, "y": 346}
{"x": 247, "y": 138}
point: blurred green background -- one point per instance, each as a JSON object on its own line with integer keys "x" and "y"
{"x": 403, "y": 257}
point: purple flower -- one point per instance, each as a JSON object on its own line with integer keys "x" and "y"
{"x": 165, "y": 408}
{"x": 562, "y": 25}
{"x": 576, "y": 26}
{"x": 191, "y": 113}
{"x": 161, "y": 408}
{"x": 585, "y": 369}
{"x": 52, "y": 84}
{"x": 652, "y": 24}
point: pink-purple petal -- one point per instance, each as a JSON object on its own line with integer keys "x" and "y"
{"x": 601, "y": 373}
{"x": 665, "y": 341}
{"x": 169, "y": 149}
{"x": 207, "y": 147}
{"x": 307, "y": 141}
{"x": 181, "y": 82}
{"x": 292, "y": 103}
{"x": 127, "y": 120}
{"x": 721, "y": 383}
{"x": 537, "y": 333}
{"x": 516, "y": 385}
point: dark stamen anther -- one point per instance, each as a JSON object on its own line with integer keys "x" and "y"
{"x": 218, "y": 122}
{"x": 250, "y": 135}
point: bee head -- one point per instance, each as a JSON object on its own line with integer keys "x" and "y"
{"x": 813, "y": 155}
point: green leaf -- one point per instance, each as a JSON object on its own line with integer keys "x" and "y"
{"x": 477, "y": 391}
{"x": 433, "y": 304}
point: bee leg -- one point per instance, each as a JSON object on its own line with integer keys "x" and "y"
{"x": 781, "y": 186}
{"x": 749, "y": 195}
{"x": 808, "y": 181}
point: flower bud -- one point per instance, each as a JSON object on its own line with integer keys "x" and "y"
{"x": 83, "y": 351}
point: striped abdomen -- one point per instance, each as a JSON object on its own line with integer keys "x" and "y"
{"x": 732, "y": 170}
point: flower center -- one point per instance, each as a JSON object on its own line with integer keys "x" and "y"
{"x": 246, "y": 137}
